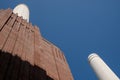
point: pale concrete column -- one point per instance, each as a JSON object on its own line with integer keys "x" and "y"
{"x": 101, "y": 69}
{"x": 22, "y": 10}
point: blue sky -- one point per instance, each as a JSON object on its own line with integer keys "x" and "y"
{"x": 78, "y": 28}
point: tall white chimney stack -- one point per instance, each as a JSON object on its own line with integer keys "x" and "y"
{"x": 22, "y": 10}
{"x": 101, "y": 69}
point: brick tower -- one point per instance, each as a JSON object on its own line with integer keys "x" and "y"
{"x": 25, "y": 54}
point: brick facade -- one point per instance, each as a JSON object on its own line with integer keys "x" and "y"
{"x": 25, "y": 54}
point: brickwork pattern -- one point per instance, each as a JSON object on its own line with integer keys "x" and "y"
{"x": 22, "y": 39}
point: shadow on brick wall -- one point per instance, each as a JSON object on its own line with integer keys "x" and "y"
{"x": 13, "y": 68}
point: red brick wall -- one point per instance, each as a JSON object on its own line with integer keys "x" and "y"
{"x": 20, "y": 38}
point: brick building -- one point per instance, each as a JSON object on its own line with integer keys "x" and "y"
{"x": 25, "y": 54}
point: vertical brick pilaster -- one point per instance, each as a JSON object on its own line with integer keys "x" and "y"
{"x": 37, "y": 50}
{"x": 31, "y": 44}
{"x": 29, "y": 55}
{"x": 20, "y": 40}
{"x": 4, "y": 17}
{"x": 24, "y": 49}
{"x": 6, "y": 30}
{"x": 11, "y": 41}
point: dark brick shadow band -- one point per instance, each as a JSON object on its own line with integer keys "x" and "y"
{"x": 13, "y": 68}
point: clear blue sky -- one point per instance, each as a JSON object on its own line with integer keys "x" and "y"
{"x": 78, "y": 28}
